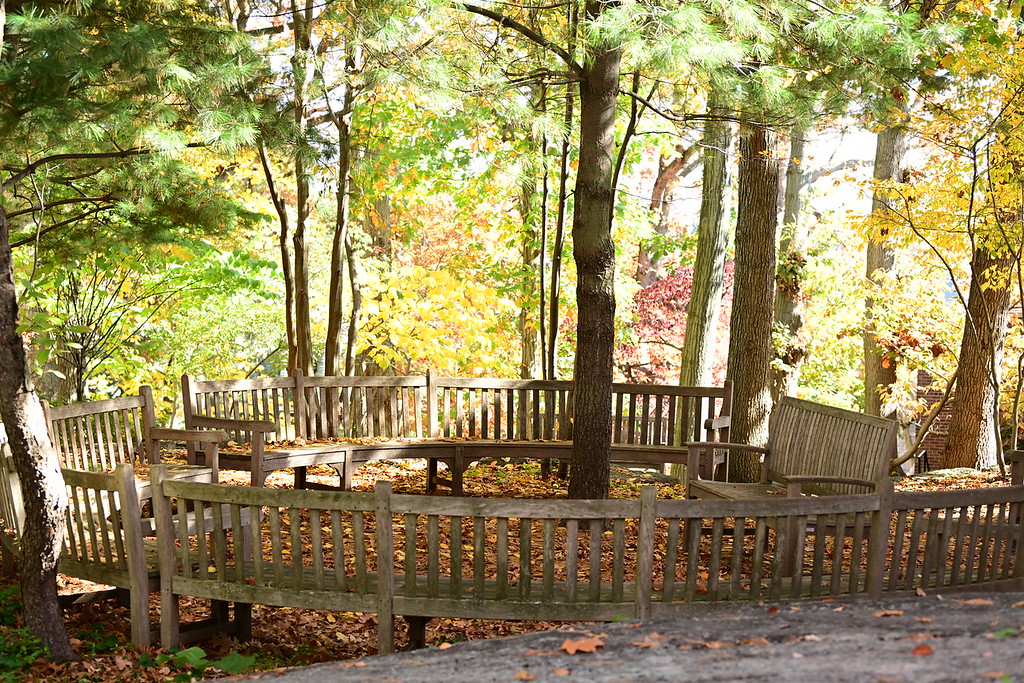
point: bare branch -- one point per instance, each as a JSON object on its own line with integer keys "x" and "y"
{"x": 523, "y": 30}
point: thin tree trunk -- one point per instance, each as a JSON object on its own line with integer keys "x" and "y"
{"x": 750, "y": 336}
{"x": 284, "y": 246}
{"x": 789, "y": 277}
{"x": 38, "y": 468}
{"x": 528, "y": 332}
{"x": 712, "y": 238}
{"x": 563, "y": 199}
{"x": 302, "y": 73}
{"x": 879, "y": 372}
{"x": 595, "y": 266}
{"x": 649, "y": 268}
{"x": 334, "y": 352}
{"x": 357, "y": 304}
{"x": 972, "y": 424}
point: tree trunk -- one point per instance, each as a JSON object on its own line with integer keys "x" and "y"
{"x": 38, "y": 468}
{"x": 750, "y": 335}
{"x": 284, "y": 246}
{"x": 551, "y": 362}
{"x": 302, "y": 74}
{"x": 334, "y": 351}
{"x": 880, "y": 373}
{"x": 649, "y": 268}
{"x": 712, "y": 237}
{"x": 528, "y": 323}
{"x": 595, "y": 266}
{"x": 791, "y": 350}
{"x": 972, "y": 425}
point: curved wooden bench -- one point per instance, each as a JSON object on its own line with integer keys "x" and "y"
{"x": 411, "y": 416}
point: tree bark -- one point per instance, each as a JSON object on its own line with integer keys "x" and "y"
{"x": 972, "y": 424}
{"x": 792, "y": 349}
{"x": 879, "y": 373}
{"x": 335, "y": 354}
{"x": 38, "y": 469}
{"x": 302, "y": 74}
{"x": 712, "y": 238}
{"x": 594, "y": 253}
{"x": 528, "y": 311}
{"x": 750, "y": 335}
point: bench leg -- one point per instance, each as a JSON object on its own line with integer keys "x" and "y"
{"x": 431, "y": 475}
{"x": 417, "y": 632}
{"x": 344, "y": 475}
{"x": 300, "y": 478}
{"x": 243, "y": 620}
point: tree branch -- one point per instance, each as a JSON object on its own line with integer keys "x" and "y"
{"x": 524, "y": 31}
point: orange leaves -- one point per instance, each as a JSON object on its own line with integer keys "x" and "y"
{"x": 922, "y": 651}
{"x": 589, "y": 644}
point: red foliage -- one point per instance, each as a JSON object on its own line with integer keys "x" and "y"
{"x": 660, "y": 327}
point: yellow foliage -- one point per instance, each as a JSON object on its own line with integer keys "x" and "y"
{"x": 418, "y": 315}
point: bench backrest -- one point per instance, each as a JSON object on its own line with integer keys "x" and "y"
{"x": 266, "y": 398}
{"x": 98, "y": 435}
{"x": 103, "y": 540}
{"x": 807, "y": 438}
{"x": 471, "y": 408}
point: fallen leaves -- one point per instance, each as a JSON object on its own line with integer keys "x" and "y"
{"x": 976, "y": 602}
{"x": 888, "y": 613}
{"x": 578, "y": 645}
{"x": 523, "y": 675}
{"x": 922, "y": 651}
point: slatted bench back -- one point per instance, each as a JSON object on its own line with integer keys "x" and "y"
{"x": 772, "y": 548}
{"x": 311, "y": 549}
{"x": 660, "y": 415}
{"x": 521, "y": 559}
{"x": 103, "y": 541}
{"x": 959, "y": 539}
{"x": 509, "y": 409}
{"x": 98, "y": 435}
{"x": 364, "y": 407}
{"x": 807, "y": 438}
{"x": 268, "y": 398}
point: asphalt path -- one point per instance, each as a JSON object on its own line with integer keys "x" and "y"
{"x": 955, "y": 637}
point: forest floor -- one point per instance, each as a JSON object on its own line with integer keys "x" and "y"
{"x": 285, "y": 637}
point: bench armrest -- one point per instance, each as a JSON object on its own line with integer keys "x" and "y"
{"x": 795, "y": 482}
{"x": 694, "y": 449}
{"x": 264, "y": 426}
{"x": 194, "y": 435}
{"x": 716, "y": 423}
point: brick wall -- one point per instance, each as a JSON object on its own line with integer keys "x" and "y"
{"x": 935, "y": 440}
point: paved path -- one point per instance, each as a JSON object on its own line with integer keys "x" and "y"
{"x": 959, "y": 637}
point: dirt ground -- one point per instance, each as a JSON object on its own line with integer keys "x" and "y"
{"x": 955, "y": 637}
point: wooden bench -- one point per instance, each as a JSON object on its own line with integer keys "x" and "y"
{"x": 447, "y": 420}
{"x": 97, "y": 436}
{"x": 812, "y": 448}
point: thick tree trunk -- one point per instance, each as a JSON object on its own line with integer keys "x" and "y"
{"x": 789, "y": 276}
{"x": 712, "y": 237}
{"x": 750, "y": 335}
{"x": 595, "y": 266}
{"x": 38, "y": 468}
{"x": 880, "y": 373}
{"x": 649, "y": 268}
{"x": 972, "y": 425}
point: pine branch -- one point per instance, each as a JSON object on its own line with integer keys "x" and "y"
{"x": 524, "y": 31}
{"x": 61, "y": 202}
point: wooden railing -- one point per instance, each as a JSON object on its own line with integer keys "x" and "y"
{"x": 585, "y": 560}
